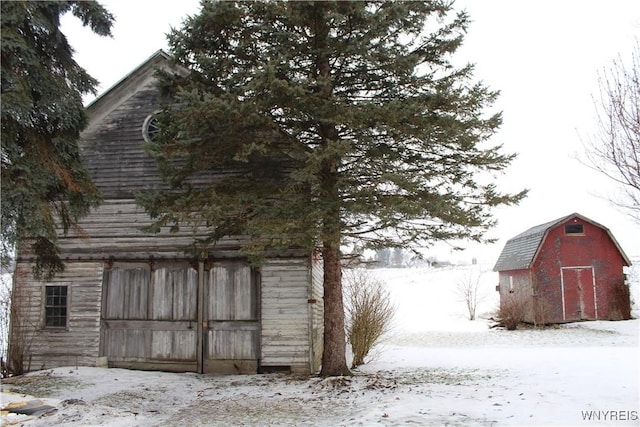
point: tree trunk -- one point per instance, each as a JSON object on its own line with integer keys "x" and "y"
{"x": 334, "y": 362}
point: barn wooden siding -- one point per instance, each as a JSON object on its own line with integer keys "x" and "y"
{"x": 576, "y": 276}
{"x": 151, "y": 322}
{"x": 289, "y": 315}
{"x": 112, "y": 145}
{"x": 565, "y": 276}
{"x": 141, "y": 317}
{"x": 114, "y": 230}
{"x": 231, "y": 318}
{"x": 149, "y": 316}
{"x": 77, "y": 343}
{"x": 317, "y": 310}
{"x": 139, "y": 299}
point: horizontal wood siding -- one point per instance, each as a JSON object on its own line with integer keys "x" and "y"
{"x": 114, "y": 230}
{"x": 285, "y": 314}
{"x": 317, "y": 310}
{"x": 153, "y": 313}
{"x": 112, "y": 146}
{"x": 113, "y": 151}
{"x": 78, "y": 343}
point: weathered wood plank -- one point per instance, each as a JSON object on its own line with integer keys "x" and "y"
{"x": 79, "y": 342}
{"x": 165, "y": 325}
{"x": 114, "y": 230}
{"x": 185, "y": 292}
{"x": 232, "y": 345}
{"x": 162, "y": 295}
{"x": 147, "y": 311}
{"x": 285, "y": 334}
{"x": 173, "y": 345}
{"x": 231, "y": 311}
{"x": 168, "y": 295}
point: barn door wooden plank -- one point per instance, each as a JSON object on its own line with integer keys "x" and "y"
{"x": 162, "y": 300}
{"x": 137, "y": 293}
{"x": 174, "y": 303}
{"x": 115, "y": 294}
{"x": 245, "y": 298}
{"x": 149, "y": 319}
{"x": 175, "y": 292}
{"x": 185, "y": 294}
{"x": 126, "y": 293}
{"x": 221, "y": 301}
{"x": 230, "y": 319}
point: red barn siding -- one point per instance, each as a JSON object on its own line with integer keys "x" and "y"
{"x": 561, "y": 265}
{"x": 572, "y": 276}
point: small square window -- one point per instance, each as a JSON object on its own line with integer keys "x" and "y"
{"x": 574, "y": 229}
{"x": 55, "y": 308}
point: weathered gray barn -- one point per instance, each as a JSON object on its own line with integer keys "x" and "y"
{"x": 136, "y": 300}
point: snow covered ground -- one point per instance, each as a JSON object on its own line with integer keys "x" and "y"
{"x": 435, "y": 368}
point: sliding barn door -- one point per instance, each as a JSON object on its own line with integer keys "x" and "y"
{"x": 231, "y": 330}
{"x": 150, "y": 317}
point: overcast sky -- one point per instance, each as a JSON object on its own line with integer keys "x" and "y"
{"x": 544, "y": 56}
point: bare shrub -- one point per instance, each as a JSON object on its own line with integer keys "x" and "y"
{"x": 542, "y": 311}
{"x": 468, "y": 290}
{"x": 369, "y": 313}
{"x": 21, "y": 334}
{"x": 513, "y": 309}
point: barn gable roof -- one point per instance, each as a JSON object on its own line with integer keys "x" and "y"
{"x": 126, "y": 87}
{"x": 520, "y": 251}
{"x": 112, "y": 145}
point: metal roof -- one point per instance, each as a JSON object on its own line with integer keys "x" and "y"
{"x": 520, "y": 251}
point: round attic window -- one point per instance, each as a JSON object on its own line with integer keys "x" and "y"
{"x": 150, "y": 128}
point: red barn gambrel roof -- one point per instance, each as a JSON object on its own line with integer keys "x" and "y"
{"x": 520, "y": 251}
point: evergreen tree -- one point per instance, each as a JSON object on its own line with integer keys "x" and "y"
{"x": 337, "y": 122}
{"x": 43, "y": 180}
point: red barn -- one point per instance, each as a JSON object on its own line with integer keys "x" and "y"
{"x": 565, "y": 270}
